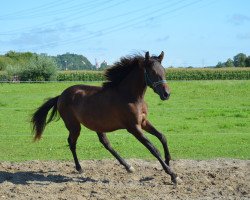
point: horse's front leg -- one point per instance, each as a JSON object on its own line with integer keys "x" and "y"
{"x": 147, "y": 126}
{"x": 137, "y": 132}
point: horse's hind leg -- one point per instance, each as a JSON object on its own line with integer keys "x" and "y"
{"x": 72, "y": 145}
{"x": 74, "y": 128}
{"x": 104, "y": 140}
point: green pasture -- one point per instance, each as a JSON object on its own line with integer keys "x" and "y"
{"x": 202, "y": 120}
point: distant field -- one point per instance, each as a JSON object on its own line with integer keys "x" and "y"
{"x": 202, "y": 120}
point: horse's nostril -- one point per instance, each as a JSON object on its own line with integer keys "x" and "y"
{"x": 166, "y": 94}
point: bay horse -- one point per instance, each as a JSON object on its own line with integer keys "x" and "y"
{"x": 118, "y": 104}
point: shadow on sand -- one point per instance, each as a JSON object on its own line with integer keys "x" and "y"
{"x": 40, "y": 178}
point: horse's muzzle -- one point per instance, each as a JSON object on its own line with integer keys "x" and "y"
{"x": 164, "y": 95}
{"x": 163, "y": 92}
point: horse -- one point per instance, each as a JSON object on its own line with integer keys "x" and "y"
{"x": 117, "y": 104}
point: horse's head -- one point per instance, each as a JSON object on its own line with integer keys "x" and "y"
{"x": 155, "y": 75}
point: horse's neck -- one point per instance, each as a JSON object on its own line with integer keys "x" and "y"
{"x": 134, "y": 84}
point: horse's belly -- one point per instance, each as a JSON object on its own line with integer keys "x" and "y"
{"x": 101, "y": 126}
{"x": 100, "y": 113}
{"x": 100, "y": 121}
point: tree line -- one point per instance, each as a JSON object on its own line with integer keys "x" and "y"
{"x": 42, "y": 67}
{"x": 32, "y": 66}
{"x": 67, "y": 61}
{"x": 239, "y": 60}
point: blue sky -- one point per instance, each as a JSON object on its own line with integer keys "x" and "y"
{"x": 190, "y": 32}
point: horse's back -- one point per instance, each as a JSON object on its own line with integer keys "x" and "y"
{"x": 73, "y": 96}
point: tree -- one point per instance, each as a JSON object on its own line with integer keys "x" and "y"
{"x": 247, "y": 61}
{"x": 37, "y": 68}
{"x": 220, "y": 65}
{"x": 229, "y": 63}
{"x": 73, "y": 62}
{"x": 18, "y": 56}
{"x": 103, "y": 65}
{"x": 240, "y": 60}
{"x": 4, "y": 62}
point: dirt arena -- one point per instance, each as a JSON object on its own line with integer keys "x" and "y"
{"x": 106, "y": 179}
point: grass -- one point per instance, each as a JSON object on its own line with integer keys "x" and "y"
{"x": 202, "y": 120}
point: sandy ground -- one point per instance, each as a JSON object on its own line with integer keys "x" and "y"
{"x": 106, "y": 179}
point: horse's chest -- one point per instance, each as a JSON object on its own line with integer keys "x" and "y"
{"x": 139, "y": 112}
{"x": 142, "y": 116}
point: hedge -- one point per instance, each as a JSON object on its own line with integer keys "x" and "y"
{"x": 171, "y": 74}
{"x": 208, "y": 73}
{"x": 80, "y": 76}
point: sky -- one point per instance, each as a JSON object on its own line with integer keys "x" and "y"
{"x": 196, "y": 33}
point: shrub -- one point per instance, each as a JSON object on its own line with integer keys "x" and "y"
{"x": 3, "y": 76}
{"x": 40, "y": 68}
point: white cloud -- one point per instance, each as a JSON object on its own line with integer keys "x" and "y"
{"x": 244, "y": 36}
{"x": 238, "y": 19}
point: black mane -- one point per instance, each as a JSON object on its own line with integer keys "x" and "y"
{"x": 120, "y": 70}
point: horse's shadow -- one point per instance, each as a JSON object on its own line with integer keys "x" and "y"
{"x": 40, "y": 178}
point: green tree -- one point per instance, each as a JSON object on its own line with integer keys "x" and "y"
{"x": 229, "y": 63}
{"x": 4, "y": 62}
{"x": 220, "y": 65}
{"x": 73, "y": 62}
{"x": 247, "y": 61}
{"x": 103, "y": 65}
{"x": 38, "y": 68}
{"x": 18, "y": 56}
{"x": 240, "y": 60}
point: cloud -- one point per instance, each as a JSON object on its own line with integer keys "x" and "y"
{"x": 244, "y": 36}
{"x": 41, "y": 39}
{"x": 238, "y": 19}
{"x": 162, "y": 39}
{"x": 35, "y": 39}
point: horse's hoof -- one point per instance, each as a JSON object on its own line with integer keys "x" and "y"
{"x": 80, "y": 171}
{"x": 131, "y": 169}
{"x": 174, "y": 180}
{"x": 178, "y": 179}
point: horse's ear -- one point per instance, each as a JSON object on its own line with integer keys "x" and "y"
{"x": 160, "y": 57}
{"x": 147, "y": 56}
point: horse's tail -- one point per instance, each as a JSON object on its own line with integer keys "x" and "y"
{"x": 38, "y": 119}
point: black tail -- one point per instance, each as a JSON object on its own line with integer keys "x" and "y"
{"x": 38, "y": 119}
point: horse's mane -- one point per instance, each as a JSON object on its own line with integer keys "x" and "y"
{"x": 120, "y": 70}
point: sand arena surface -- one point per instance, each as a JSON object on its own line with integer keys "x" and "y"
{"x": 106, "y": 179}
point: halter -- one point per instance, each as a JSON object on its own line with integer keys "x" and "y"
{"x": 154, "y": 84}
